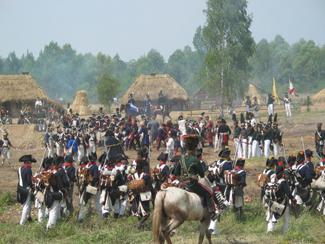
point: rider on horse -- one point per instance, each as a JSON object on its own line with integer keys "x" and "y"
{"x": 194, "y": 169}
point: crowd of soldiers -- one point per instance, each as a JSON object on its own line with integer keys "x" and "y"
{"x": 118, "y": 186}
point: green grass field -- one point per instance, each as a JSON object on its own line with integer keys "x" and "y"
{"x": 308, "y": 228}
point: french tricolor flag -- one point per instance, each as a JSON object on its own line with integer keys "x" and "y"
{"x": 292, "y": 89}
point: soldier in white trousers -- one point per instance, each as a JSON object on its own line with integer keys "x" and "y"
{"x": 24, "y": 193}
{"x": 54, "y": 214}
{"x": 276, "y": 197}
{"x": 244, "y": 140}
{"x": 276, "y": 139}
{"x": 270, "y": 105}
{"x": 27, "y": 207}
{"x": 287, "y": 105}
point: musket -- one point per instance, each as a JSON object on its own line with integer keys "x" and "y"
{"x": 303, "y": 146}
{"x": 41, "y": 163}
{"x": 284, "y": 153}
{"x": 236, "y": 152}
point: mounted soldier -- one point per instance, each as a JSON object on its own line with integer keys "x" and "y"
{"x": 147, "y": 106}
{"x": 192, "y": 167}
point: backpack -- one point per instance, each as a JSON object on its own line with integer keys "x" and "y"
{"x": 231, "y": 177}
{"x": 271, "y": 189}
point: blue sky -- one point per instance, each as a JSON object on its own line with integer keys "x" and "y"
{"x": 132, "y": 27}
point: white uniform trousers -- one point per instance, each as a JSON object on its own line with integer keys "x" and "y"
{"x": 244, "y": 145}
{"x": 27, "y": 207}
{"x": 238, "y": 147}
{"x": 81, "y": 153}
{"x": 267, "y": 148}
{"x": 54, "y": 214}
{"x": 270, "y": 109}
{"x": 287, "y": 107}
{"x": 84, "y": 208}
{"x": 256, "y": 151}
{"x": 216, "y": 142}
{"x": 40, "y": 211}
{"x": 250, "y": 141}
{"x": 120, "y": 206}
{"x": 272, "y": 222}
{"x": 213, "y": 228}
{"x": 276, "y": 149}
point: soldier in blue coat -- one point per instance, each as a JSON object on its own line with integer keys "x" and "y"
{"x": 24, "y": 188}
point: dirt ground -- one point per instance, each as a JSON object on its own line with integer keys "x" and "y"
{"x": 27, "y": 141}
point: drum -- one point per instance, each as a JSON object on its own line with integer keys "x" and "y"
{"x": 262, "y": 180}
{"x": 136, "y": 185}
{"x": 319, "y": 183}
{"x": 231, "y": 178}
{"x": 319, "y": 170}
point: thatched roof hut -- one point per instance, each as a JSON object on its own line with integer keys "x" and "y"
{"x": 153, "y": 84}
{"x": 18, "y": 91}
{"x": 20, "y": 88}
{"x": 80, "y": 104}
{"x": 252, "y": 92}
{"x": 319, "y": 97}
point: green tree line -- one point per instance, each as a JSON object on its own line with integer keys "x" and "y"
{"x": 61, "y": 71}
{"x": 303, "y": 62}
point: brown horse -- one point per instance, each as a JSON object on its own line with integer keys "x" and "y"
{"x": 178, "y": 205}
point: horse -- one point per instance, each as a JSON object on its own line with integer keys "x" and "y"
{"x": 179, "y": 205}
{"x": 130, "y": 110}
{"x": 167, "y": 206}
{"x": 163, "y": 110}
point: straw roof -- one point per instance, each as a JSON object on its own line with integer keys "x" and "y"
{"x": 252, "y": 92}
{"x": 80, "y": 104}
{"x": 319, "y": 97}
{"x": 152, "y": 84}
{"x": 20, "y": 88}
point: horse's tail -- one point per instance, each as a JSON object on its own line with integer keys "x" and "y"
{"x": 158, "y": 215}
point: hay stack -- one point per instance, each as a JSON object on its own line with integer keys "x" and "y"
{"x": 80, "y": 104}
{"x": 152, "y": 84}
{"x": 319, "y": 97}
{"x": 252, "y": 92}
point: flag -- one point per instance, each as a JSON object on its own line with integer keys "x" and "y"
{"x": 275, "y": 93}
{"x": 292, "y": 89}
